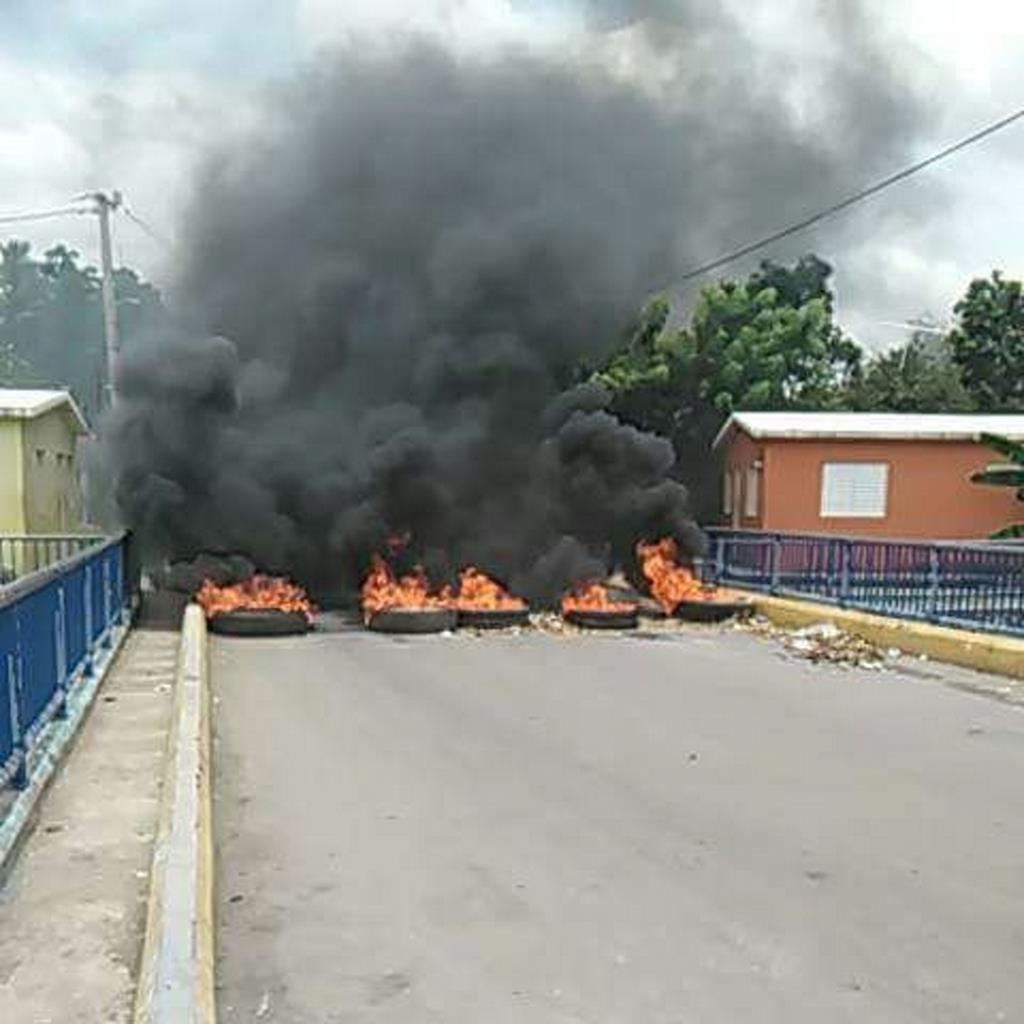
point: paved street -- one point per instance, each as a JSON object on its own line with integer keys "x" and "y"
{"x": 600, "y": 829}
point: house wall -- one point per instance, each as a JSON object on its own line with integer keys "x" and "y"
{"x": 930, "y": 494}
{"x": 744, "y": 455}
{"x": 53, "y": 503}
{"x": 12, "y": 477}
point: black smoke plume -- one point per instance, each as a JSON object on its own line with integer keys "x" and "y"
{"x": 388, "y": 291}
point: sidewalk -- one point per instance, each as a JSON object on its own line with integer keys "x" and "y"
{"x": 73, "y": 910}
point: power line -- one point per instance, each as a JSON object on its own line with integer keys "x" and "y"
{"x": 849, "y": 201}
{"x": 152, "y": 232}
{"x": 15, "y": 218}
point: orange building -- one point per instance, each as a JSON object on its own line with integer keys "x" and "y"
{"x": 864, "y": 474}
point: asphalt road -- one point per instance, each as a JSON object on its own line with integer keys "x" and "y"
{"x": 544, "y": 829}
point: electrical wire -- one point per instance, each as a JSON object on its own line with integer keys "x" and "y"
{"x": 152, "y": 232}
{"x": 16, "y": 218}
{"x": 857, "y": 197}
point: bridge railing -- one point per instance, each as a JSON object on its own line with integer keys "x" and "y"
{"x": 54, "y": 623}
{"x": 23, "y": 553}
{"x": 974, "y": 586}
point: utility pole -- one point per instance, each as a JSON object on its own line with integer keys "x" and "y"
{"x": 104, "y": 204}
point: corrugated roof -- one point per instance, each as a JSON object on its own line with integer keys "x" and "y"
{"x": 873, "y": 425}
{"x": 27, "y": 403}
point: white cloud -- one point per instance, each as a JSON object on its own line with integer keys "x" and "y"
{"x": 470, "y": 25}
{"x": 72, "y": 131}
{"x": 66, "y": 127}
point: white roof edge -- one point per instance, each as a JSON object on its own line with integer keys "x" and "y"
{"x": 725, "y": 428}
{"x": 873, "y": 426}
{"x": 28, "y": 403}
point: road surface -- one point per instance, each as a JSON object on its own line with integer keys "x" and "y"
{"x": 612, "y": 831}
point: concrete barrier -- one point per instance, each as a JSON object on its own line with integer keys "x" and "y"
{"x": 986, "y": 652}
{"x": 176, "y": 976}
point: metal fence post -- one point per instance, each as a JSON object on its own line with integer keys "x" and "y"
{"x": 19, "y": 780}
{"x": 87, "y": 666}
{"x": 932, "y": 601}
{"x": 774, "y": 563}
{"x": 845, "y": 547}
{"x": 719, "y": 558}
{"x": 105, "y": 637}
{"x": 61, "y": 656}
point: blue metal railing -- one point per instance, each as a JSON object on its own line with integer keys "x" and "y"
{"x": 974, "y": 586}
{"x": 25, "y": 553}
{"x": 53, "y": 624}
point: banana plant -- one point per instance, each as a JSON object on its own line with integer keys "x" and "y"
{"x": 1009, "y": 474}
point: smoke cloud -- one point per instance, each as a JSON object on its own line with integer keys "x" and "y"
{"x": 389, "y": 289}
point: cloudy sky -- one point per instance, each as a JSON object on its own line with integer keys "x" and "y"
{"x": 128, "y": 95}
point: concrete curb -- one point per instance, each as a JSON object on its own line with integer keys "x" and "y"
{"x": 17, "y": 823}
{"x": 176, "y": 976}
{"x": 986, "y": 652}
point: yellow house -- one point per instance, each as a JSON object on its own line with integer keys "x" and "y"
{"x": 40, "y": 490}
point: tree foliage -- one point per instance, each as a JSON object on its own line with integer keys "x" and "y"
{"x": 765, "y": 343}
{"x": 920, "y": 376}
{"x": 51, "y": 320}
{"x": 988, "y": 343}
{"x": 1010, "y": 474}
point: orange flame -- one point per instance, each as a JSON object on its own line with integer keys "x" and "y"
{"x": 382, "y": 590}
{"x": 593, "y": 597}
{"x": 254, "y": 594}
{"x": 670, "y": 582}
{"x": 478, "y": 592}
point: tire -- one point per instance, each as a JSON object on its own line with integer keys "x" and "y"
{"x": 650, "y": 609}
{"x": 602, "y": 620}
{"x": 494, "y": 618}
{"x": 712, "y": 611}
{"x": 259, "y": 622}
{"x": 408, "y": 620}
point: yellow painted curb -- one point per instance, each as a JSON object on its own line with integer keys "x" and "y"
{"x": 205, "y": 878}
{"x": 176, "y": 975}
{"x": 986, "y": 652}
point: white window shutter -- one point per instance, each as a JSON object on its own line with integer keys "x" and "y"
{"x": 856, "y": 490}
{"x": 750, "y": 494}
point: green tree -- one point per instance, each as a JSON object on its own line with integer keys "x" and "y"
{"x": 795, "y": 286}
{"x": 766, "y": 343}
{"x": 51, "y": 320}
{"x": 1009, "y": 474}
{"x": 988, "y": 343}
{"x": 919, "y": 376}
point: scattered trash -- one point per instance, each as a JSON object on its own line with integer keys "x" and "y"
{"x": 264, "y": 1007}
{"x": 825, "y": 642}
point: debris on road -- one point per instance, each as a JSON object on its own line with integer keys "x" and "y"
{"x": 825, "y": 642}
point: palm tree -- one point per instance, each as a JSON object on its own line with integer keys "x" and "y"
{"x": 1010, "y": 474}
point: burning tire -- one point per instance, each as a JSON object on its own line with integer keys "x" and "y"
{"x": 712, "y": 611}
{"x": 592, "y": 619}
{"x": 493, "y": 618}
{"x": 259, "y": 622}
{"x": 413, "y": 620}
{"x": 649, "y": 609}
